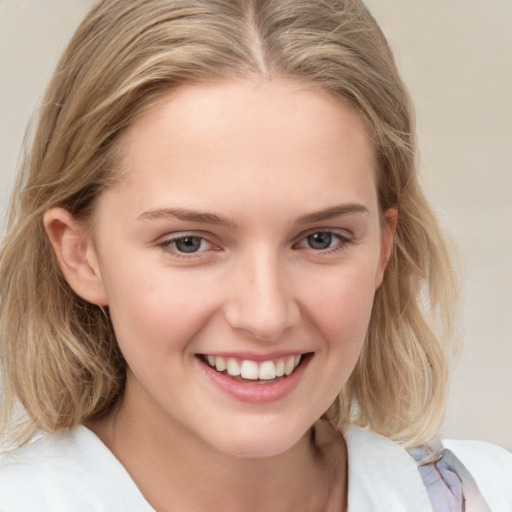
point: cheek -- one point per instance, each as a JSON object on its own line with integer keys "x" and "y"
{"x": 339, "y": 313}
{"x": 343, "y": 304}
{"x": 157, "y": 313}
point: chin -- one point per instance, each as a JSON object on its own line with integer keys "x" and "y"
{"x": 257, "y": 442}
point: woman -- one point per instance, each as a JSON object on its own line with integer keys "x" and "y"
{"x": 214, "y": 273}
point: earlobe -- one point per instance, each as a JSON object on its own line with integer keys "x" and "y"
{"x": 76, "y": 254}
{"x": 387, "y": 240}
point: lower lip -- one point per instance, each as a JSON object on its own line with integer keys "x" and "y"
{"x": 253, "y": 393}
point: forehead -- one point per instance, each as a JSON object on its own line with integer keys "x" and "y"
{"x": 253, "y": 138}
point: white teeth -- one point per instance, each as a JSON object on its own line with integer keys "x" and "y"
{"x": 233, "y": 367}
{"x": 267, "y": 371}
{"x": 220, "y": 364}
{"x": 249, "y": 370}
{"x": 289, "y": 365}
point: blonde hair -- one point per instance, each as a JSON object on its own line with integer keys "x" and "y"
{"x": 60, "y": 357}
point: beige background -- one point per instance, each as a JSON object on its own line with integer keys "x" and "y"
{"x": 456, "y": 56}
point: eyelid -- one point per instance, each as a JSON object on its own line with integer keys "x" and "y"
{"x": 341, "y": 233}
{"x": 166, "y": 242}
{"x": 344, "y": 236}
{"x": 177, "y": 235}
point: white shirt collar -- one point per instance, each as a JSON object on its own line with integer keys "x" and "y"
{"x": 382, "y": 476}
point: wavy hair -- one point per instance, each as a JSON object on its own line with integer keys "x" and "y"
{"x": 60, "y": 356}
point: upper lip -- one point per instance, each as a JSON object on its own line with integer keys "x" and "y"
{"x": 257, "y": 357}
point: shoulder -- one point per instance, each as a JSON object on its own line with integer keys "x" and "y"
{"x": 489, "y": 456}
{"x": 491, "y": 467}
{"x": 69, "y": 471}
{"x": 382, "y": 476}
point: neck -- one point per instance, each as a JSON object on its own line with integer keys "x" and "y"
{"x": 175, "y": 470}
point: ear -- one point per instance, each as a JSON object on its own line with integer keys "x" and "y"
{"x": 76, "y": 254}
{"x": 386, "y": 246}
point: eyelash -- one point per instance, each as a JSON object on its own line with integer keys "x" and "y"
{"x": 170, "y": 245}
{"x": 342, "y": 242}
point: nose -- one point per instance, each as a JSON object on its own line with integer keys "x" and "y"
{"x": 261, "y": 300}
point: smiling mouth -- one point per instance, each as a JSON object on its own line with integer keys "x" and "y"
{"x": 245, "y": 370}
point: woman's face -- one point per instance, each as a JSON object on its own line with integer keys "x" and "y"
{"x": 244, "y": 233}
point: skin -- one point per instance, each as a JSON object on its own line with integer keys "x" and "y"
{"x": 265, "y": 158}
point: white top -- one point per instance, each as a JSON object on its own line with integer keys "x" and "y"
{"x": 75, "y": 472}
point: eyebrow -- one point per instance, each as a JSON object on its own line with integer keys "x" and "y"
{"x": 186, "y": 214}
{"x": 333, "y": 212}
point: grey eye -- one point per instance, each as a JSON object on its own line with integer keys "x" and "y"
{"x": 320, "y": 240}
{"x": 188, "y": 244}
